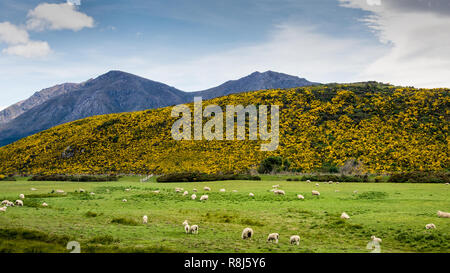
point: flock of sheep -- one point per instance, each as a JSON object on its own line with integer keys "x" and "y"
{"x": 247, "y": 233}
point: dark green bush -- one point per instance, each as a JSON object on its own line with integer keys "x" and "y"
{"x": 336, "y": 178}
{"x": 199, "y": 177}
{"x": 420, "y": 177}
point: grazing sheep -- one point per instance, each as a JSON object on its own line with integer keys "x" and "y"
{"x": 308, "y": 181}
{"x": 251, "y": 194}
{"x": 247, "y": 233}
{"x": 193, "y": 229}
{"x": 336, "y": 190}
{"x": 447, "y": 183}
{"x": 275, "y": 186}
{"x": 330, "y": 182}
{"x": 193, "y": 196}
{"x": 82, "y": 190}
{"x": 280, "y": 192}
{"x": 185, "y": 222}
{"x": 315, "y": 193}
{"x": 185, "y": 193}
{"x": 44, "y": 204}
{"x": 273, "y": 237}
{"x": 19, "y": 203}
{"x": 145, "y": 219}
{"x": 33, "y": 189}
{"x": 59, "y": 191}
{"x": 194, "y": 190}
{"x": 300, "y": 197}
{"x": 337, "y": 182}
{"x": 207, "y": 189}
{"x": 3, "y": 209}
{"x": 124, "y": 200}
{"x": 10, "y": 204}
{"x": 222, "y": 190}
{"x": 92, "y": 193}
{"x": 21, "y": 196}
{"x": 443, "y": 214}
{"x": 295, "y": 239}
{"x": 345, "y": 216}
{"x": 177, "y": 190}
{"x": 187, "y": 228}
{"x": 107, "y": 190}
{"x": 355, "y": 191}
{"x": 4, "y": 202}
{"x": 317, "y": 184}
{"x": 127, "y": 189}
{"x": 375, "y": 239}
{"x": 430, "y": 226}
{"x": 234, "y": 190}
{"x": 157, "y": 191}
{"x": 204, "y": 197}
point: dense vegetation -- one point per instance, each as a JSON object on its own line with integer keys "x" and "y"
{"x": 377, "y": 128}
{"x": 82, "y": 178}
{"x": 199, "y": 177}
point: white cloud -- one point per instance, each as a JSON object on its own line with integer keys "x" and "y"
{"x": 58, "y": 17}
{"x": 12, "y": 34}
{"x": 294, "y": 50}
{"x": 30, "y": 49}
{"x": 415, "y": 30}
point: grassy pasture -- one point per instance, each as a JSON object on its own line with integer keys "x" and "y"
{"x": 397, "y": 213}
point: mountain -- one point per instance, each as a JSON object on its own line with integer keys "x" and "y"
{"x": 368, "y": 127}
{"x": 254, "y": 81}
{"x": 36, "y": 99}
{"x": 116, "y": 92}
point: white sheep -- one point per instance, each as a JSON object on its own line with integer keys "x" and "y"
{"x": 330, "y": 182}
{"x": 280, "y": 192}
{"x": 59, "y": 191}
{"x": 375, "y": 239}
{"x": 299, "y": 196}
{"x": 92, "y": 193}
{"x": 33, "y": 189}
{"x": 234, "y": 190}
{"x": 317, "y": 184}
{"x": 194, "y": 190}
{"x": 336, "y": 190}
{"x": 430, "y": 226}
{"x": 19, "y": 203}
{"x": 157, "y": 191}
{"x": 295, "y": 239}
{"x": 355, "y": 191}
{"x": 177, "y": 190}
{"x": 4, "y": 202}
{"x": 207, "y": 189}
{"x": 247, "y": 233}
{"x": 124, "y": 200}
{"x": 308, "y": 181}
{"x": 187, "y": 228}
{"x": 273, "y": 237}
{"x": 44, "y": 204}
{"x": 345, "y": 216}
{"x": 275, "y": 186}
{"x": 3, "y": 209}
{"x": 337, "y": 182}
{"x": 204, "y": 197}
{"x": 21, "y": 196}
{"x": 10, "y": 204}
{"x": 222, "y": 190}
{"x": 193, "y": 229}
{"x": 443, "y": 214}
{"x": 185, "y": 193}
{"x": 185, "y": 222}
{"x": 82, "y": 190}
{"x": 127, "y": 189}
{"x": 447, "y": 183}
{"x": 315, "y": 193}
{"x": 145, "y": 219}
{"x": 193, "y": 196}
{"x": 251, "y": 194}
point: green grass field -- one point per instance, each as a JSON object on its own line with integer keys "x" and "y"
{"x": 397, "y": 213}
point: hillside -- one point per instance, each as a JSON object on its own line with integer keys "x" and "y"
{"x": 387, "y": 128}
{"x": 116, "y": 92}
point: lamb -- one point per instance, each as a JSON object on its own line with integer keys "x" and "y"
{"x": 275, "y": 186}
{"x": 203, "y": 197}
{"x": 193, "y": 229}
{"x": 177, "y": 190}
{"x": 127, "y": 189}
{"x": 317, "y": 184}
{"x": 207, "y": 189}
{"x": 280, "y": 192}
{"x": 299, "y": 196}
{"x": 295, "y": 239}
{"x": 222, "y": 190}
{"x": 430, "y": 226}
{"x": 194, "y": 190}
{"x": 315, "y": 193}
{"x": 21, "y": 196}
{"x": 251, "y": 194}
{"x": 308, "y": 181}
{"x": 157, "y": 191}
{"x": 185, "y": 222}
{"x": 92, "y": 193}
{"x": 193, "y": 196}
{"x": 19, "y": 203}
{"x": 355, "y": 191}
{"x": 443, "y": 214}
{"x": 10, "y": 204}
{"x": 330, "y": 182}
{"x": 375, "y": 239}
{"x": 187, "y": 228}
{"x": 345, "y": 216}
{"x": 59, "y": 191}
{"x": 33, "y": 189}
{"x": 44, "y": 204}
{"x": 247, "y": 233}
{"x": 3, "y": 209}
{"x": 82, "y": 190}
{"x": 124, "y": 200}
{"x": 337, "y": 182}
{"x": 145, "y": 219}
{"x": 273, "y": 237}
{"x": 185, "y": 193}
{"x": 4, "y": 202}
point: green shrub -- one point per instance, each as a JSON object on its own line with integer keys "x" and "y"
{"x": 336, "y": 178}
{"x": 420, "y": 177}
{"x": 72, "y": 178}
{"x": 199, "y": 177}
{"x": 124, "y": 221}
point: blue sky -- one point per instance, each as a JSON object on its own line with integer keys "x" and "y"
{"x": 197, "y": 44}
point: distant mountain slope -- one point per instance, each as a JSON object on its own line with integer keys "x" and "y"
{"x": 37, "y": 98}
{"x": 254, "y": 81}
{"x": 385, "y": 128}
{"x": 116, "y": 92}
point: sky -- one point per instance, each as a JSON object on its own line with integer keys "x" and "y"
{"x": 197, "y": 44}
